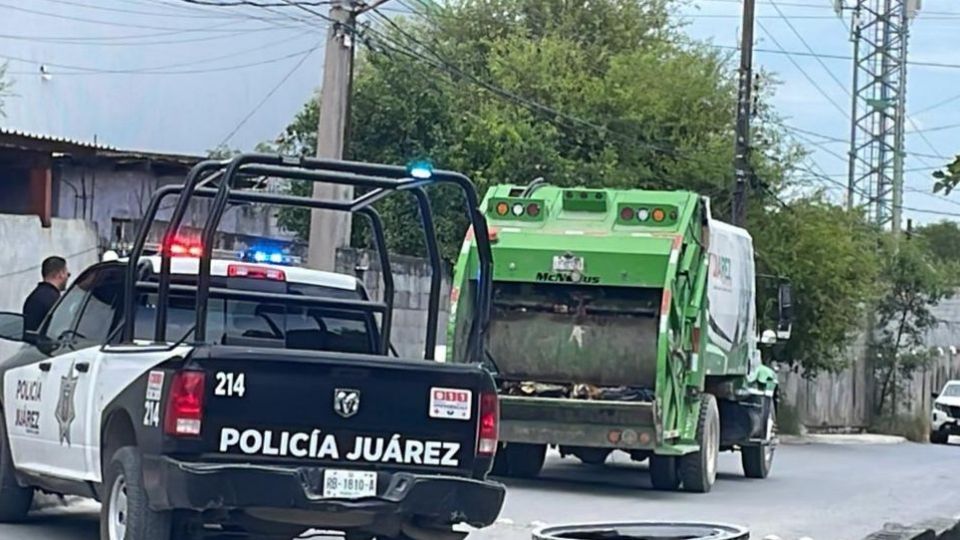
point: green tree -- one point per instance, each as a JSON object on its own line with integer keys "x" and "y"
{"x": 600, "y": 93}
{"x": 829, "y": 255}
{"x": 947, "y": 178}
{"x": 915, "y": 282}
{"x": 941, "y": 239}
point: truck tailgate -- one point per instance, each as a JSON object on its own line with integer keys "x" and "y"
{"x": 318, "y": 408}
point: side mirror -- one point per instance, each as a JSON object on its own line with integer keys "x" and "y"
{"x": 11, "y": 326}
{"x": 768, "y": 337}
{"x": 784, "y": 310}
{"x": 934, "y": 395}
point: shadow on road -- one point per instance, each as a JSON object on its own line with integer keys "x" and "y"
{"x": 613, "y": 479}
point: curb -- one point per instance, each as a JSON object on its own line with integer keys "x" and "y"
{"x": 867, "y": 438}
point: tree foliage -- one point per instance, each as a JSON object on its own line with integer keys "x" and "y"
{"x": 829, "y": 255}
{"x": 941, "y": 239}
{"x": 601, "y": 93}
{"x": 915, "y": 282}
{"x": 947, "y": 178}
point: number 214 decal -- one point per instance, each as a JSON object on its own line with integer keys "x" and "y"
{"x": 230, "y": 384}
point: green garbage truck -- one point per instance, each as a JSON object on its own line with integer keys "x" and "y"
{"x": 623, "y": 320}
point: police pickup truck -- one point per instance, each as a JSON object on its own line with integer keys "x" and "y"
{"x": 288, "y": 416}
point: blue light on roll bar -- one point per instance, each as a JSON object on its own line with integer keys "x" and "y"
{"x": 262, "y": 255}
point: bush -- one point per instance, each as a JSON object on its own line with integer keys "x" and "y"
{"x": 914, "y": 428}
{"x": 788, "y": 420}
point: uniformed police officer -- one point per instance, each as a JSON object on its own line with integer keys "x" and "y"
{"x": 45, "y": 295}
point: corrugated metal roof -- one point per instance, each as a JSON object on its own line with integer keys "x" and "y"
{"x": 29, "y": 140}
{"x": 12, "y": 138}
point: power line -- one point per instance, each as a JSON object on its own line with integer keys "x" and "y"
{"x": 114, "y": 23}
{"x": 808, "y": 47}
{"x": 83, "y": 70}
{"x": 253, "y": 3}
{"x": 918, "y": 130}
{"x": 205, "y": 15}
{"x": 828, "y": 56}
{"x": 938, "y": 104}
{"x": 803, "y": 72}
{"x": 815, "y": 134}
{"x": 269, "y": 94}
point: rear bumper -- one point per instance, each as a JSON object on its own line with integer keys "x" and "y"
{"x": 626, "y": 425}
{"x": 294, "y": 495}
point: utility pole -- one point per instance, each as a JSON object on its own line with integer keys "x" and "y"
{"x": 741, "y": 152}
{"x": 329, "y": 229}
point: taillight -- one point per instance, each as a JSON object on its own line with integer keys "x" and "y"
{"x": 488, "y": 433}
{"x": 255, "y": 272}
{"x": 184, "y": 413}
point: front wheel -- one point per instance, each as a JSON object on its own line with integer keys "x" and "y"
{"x": 939, "y": 437}
{"x": 124, "y": 514}
{"x": 758, "y": 460}
{"x": 15, "y": 500}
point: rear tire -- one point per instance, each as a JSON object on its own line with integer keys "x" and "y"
{"x": 15, "y": 500}
{"x": 698, "y": 471}
{"x": 525, "y": 460}
{"x": 663, "y": 473}
{"x": 939, "y": 437}
{"x": 125, "y": 514}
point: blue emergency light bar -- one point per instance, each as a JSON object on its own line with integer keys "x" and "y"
{"x": 270, "y": 256}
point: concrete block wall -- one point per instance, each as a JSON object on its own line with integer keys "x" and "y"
{"x": 411, "y": 281}
{"x": 25, "y": 243}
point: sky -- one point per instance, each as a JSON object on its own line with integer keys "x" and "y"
{"x": 173, "y": 76}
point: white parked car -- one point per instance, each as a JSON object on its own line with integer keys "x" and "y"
{"x": 946, "y": 413}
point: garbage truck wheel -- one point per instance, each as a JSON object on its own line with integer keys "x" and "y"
{"x": 663, "y": 473}
{"x": 698, "y": 471}
{"x": 757, "y": 460}
{"x": 525, "y": 460}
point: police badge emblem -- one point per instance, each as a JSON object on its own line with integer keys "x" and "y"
{"x": 66, "y": 412}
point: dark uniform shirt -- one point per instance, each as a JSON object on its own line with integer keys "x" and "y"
{"x": 37, "y": 305}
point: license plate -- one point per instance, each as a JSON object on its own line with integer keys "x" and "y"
{"x": 349, "y": 484}
{"x": 567, "y": 264}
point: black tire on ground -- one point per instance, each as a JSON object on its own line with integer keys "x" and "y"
{"x": 15, "y": 500}
{"x": 123, "y": 486}
{"x": 663, "y": 473}
{"x": 939, "y": 437}
{"x": 500, "y": 462}
{"x": 698, "y": 471}
{"x": 758, "y": 460}
{"x": 525, "y": 460}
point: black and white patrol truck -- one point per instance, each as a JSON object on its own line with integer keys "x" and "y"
{"x": 198, "y": 397}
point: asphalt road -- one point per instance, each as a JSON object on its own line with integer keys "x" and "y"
{"x": 825, "y": 492}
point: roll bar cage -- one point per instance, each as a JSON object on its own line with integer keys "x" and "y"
{"x": 380, "y": 180}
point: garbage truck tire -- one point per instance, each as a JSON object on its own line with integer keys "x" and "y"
{"x": 757, "y": 460}
{"x": 525, "y": 460}
{"x": 698, "y": 471}
{"x": 663, "y": 473}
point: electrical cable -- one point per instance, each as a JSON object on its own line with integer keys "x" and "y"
{"x": 81, "y": 70}
{"x": 803, "y": 72}
{"x": 270, "y": 94}
{"x": 808, "y": 47}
